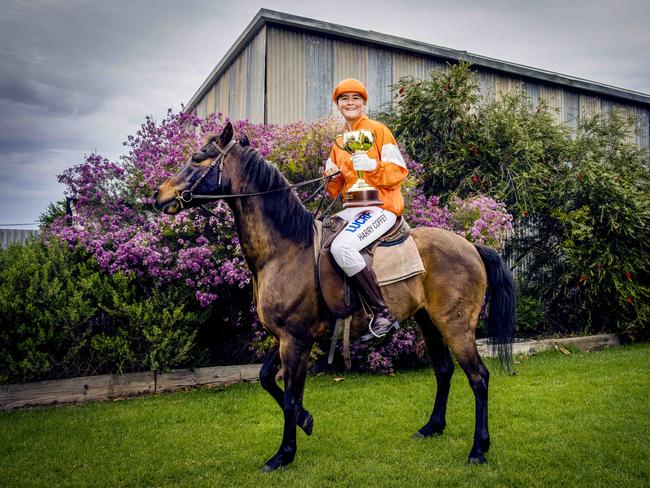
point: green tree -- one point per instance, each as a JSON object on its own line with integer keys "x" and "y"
{"x": 580, "y": 197}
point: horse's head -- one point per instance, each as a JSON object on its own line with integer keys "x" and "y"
{"x": 203, "y": 174}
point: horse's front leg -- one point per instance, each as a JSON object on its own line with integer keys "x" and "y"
{"x": 268, "y": 372}
{"x": 294, "y": 356}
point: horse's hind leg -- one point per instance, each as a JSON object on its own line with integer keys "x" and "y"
{"x": 294, "y": 356}
{"x": 444, "y": 369}
{"x": 270, "y": 367}
{"x": 464, "y": 348}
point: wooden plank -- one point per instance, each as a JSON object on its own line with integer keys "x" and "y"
{"x": 224, "y": 375}
{"x": 588, "y": 343}
{"x": 123, "y": 385}
{"x": 75, "y": 390}
{"x": 175, "y": 380}
{"x": 218, "y": 375}
{"x": 115, "y": 386}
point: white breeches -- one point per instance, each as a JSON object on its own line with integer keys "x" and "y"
{"x": 365, "y": 225}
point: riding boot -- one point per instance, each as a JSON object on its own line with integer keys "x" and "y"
{"x": 365, "y": 282}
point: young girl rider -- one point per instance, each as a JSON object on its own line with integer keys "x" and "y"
{"x": 384, "y": 169}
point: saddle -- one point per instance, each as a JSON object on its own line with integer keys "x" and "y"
{"x": 334, "y": 288}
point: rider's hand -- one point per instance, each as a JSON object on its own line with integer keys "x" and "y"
{"x": 330, "y": 168}
{"x": 361, "y": 162}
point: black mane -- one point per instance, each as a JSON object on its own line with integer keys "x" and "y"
{"x": 283, "y": 208}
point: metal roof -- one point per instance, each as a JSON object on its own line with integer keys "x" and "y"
{"x": 273, "y": 18}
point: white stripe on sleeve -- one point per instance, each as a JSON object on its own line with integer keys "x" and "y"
{"x": 390, "y": 153}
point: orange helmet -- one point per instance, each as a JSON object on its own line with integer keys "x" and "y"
{"x": 349, "y": 85}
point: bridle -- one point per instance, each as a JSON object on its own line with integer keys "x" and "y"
{"x": 186, "y": 196}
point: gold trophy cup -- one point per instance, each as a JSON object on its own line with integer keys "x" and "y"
{"x": 361, "y": 194}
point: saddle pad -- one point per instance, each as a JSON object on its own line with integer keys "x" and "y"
{"x": 390, "y": 263}
{"x": 396, "y": 263}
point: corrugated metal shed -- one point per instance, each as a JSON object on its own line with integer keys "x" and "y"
{"x": 282, "y": 69}
{"x": 13, "y": 236}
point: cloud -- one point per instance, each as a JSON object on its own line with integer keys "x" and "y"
{"x": 79, "y": 76}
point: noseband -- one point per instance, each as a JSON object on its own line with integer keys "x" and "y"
{"x": 186, "y": 196}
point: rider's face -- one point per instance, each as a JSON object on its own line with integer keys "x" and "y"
{"x": 351, "y": 106}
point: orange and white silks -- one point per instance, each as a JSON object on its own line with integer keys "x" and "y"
{"x": 387, "y": 177}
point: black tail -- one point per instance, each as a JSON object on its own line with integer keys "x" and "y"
{"x": 501, "y": 305}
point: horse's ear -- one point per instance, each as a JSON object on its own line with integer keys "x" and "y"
{"x": 226, "y": 135}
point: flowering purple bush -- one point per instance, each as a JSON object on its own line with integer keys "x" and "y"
{"x": 404, "y": 348}
{"x": 479, "y": 219}
{"x": 115, "y": 223}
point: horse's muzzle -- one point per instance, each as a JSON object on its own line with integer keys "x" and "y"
{"x": 170, "y": 207}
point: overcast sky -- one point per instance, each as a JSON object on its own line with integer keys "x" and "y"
{"x": 79, "y": 76}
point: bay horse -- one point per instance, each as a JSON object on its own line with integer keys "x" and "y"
{"x": 276, "y": 233}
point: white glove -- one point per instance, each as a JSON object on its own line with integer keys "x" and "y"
{"x": 361, "y": 162}
{"x": 330, "y": 168}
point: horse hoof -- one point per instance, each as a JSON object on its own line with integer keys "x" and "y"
{"x": 428, "y": 431}
{"x": 273, "y": 464}
{"x": 478, "y": 459}
{"x": 307, "y": 425}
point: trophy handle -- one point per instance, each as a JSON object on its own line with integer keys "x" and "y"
{"x": 337, "y": 143}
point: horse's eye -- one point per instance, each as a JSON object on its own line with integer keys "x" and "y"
{"x": 198, "y": 157}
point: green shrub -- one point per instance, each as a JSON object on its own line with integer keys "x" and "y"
{"x": 61, "y": 316}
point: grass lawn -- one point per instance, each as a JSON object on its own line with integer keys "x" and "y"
{"x": 564, "y": 420}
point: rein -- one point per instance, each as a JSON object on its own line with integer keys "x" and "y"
{"x": 186, "y": 196}
{"x": 239, "y": 195}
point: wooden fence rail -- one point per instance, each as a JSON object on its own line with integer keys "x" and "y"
{"x": 587, "y": 343}
{"x": 113, "y": 386}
